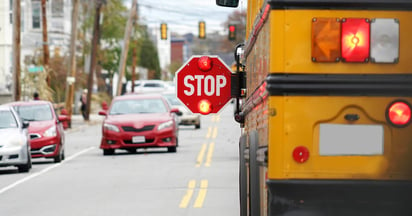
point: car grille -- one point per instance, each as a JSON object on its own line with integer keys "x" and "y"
{"x": 34, "y": 136}
{"x": 129, "y": 142}
{"x": 132, "y": 129}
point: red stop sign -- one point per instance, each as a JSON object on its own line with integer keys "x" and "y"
{"x": 203, "y": 84}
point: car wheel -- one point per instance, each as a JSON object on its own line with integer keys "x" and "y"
{"x": 58, "y": 158}
{"x": 108, "y": 151}
{"x": 197, "y": 126}
{"x": 26, "y": 167}
{"x": 171, "y": 149}
{"x": 63, "y": 155}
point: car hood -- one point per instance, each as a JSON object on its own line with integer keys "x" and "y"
{"x": 138, "y": 120}
{"x": 40, "y": 126}
{"x": 10, "y": 134}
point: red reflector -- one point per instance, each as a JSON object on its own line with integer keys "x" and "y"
{"x": 399, "y": 113}
{"x": 301, "y": 154}
{"x": 204, "y": 63}
{"x": 205, "y": 107}
{"x": 355, "y": 40}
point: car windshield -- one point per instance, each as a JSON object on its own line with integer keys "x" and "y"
{"x": 121, "y": 107}
{"x": 7, "y": 120}
{"x": 35, "y": 112}
{"x": 172, "y": 99}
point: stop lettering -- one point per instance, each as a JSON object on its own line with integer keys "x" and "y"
{"x": 208, "y": 85}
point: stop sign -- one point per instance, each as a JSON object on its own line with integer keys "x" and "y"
{"x": 203, "y": 84}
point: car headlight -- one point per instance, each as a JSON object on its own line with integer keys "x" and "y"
{"x": 51, "y": 132}
{"x": 165, "y": 125}
{"x": 110, "y": 127}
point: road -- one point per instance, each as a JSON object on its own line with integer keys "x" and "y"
{"x": 201, "y": 179}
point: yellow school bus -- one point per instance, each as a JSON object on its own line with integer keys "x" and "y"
{"x": 325, "y": 107}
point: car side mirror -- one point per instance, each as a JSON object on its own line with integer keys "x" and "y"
{"x": 26, "y": 124}
{"x": 177, "y": 111}
{"x": 102, "y": 113}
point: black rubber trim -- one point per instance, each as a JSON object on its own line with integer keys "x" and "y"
{"x": 396, "y": 85}
{"x": 342, "y": 4}
{"x": 340, "y": 197}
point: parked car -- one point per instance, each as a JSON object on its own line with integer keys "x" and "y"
{"x": 148, "y": 86}
{"x": 15, "y": 144}
{"x": 46, "y": 130}
{"x": 139, "y": 121}
{"x": 186, "y": 117}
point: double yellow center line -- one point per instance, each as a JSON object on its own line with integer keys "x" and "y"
{"x": 212, "y": 133}
{"x": 204, "y": 157}
{"x": 190, "y": 191}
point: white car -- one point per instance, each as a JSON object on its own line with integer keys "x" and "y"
{"x": 148, "y": 86}
{"x": 187, "y": 117}
{"x": 15, "y": 144}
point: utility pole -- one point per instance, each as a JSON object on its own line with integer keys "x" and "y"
{"x": 128, "y": 31}
{"x": 71, "y": 73}
{"x": 45, "y": 41}
{"x": 95, "y": 41}
{"x": 16, "y": 50}
{"x": 134, "y": 62}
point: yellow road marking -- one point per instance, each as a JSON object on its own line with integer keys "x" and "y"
{"x": 209, "y": 132}
{"x": 201, "y": 195}
{"x": 209, "y": 154}
{"x": 214, "y": 132}
{"x": 201, "y": 154}
{"x": 189, "y": 193}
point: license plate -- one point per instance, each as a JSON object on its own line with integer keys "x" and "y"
{"x": 138, "y": 139}
{"x": 341, "y": 139}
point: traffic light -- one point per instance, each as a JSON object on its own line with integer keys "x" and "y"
{"x": 232, "y": 32}
{"x": 163, "y": 31}
{"x": 202, "y": 30}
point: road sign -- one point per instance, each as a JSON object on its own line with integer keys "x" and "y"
{"x": 203, "y": 84}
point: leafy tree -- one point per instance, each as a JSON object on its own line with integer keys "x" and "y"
{"x": 149, "y": 57}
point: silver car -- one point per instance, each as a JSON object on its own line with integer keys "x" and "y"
{"x": 15, "y": 142}
{"x": 187, "y": 117}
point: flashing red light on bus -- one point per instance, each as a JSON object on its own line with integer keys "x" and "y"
{"x": 205, "y": 107}
{"x": 300, "y": 154}
{"x": 399, "y": 113}
{"x": 204, "y": 63}
{"x": 355, "y": 40}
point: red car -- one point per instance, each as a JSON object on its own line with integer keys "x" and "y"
{"x": 139, "y": 121}
{"x": 46, "y": 130}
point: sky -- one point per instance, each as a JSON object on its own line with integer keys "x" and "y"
{"x": 183, "y": 16}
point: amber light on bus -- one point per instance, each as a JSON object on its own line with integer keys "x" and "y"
{"x": 399, "y": 113}
{"x": 300, "y": 154}
{"x": 205, "y": 107}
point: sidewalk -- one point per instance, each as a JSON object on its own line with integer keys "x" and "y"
{"x": 78, "y": 122}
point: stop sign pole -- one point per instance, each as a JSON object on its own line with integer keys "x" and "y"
{"x": 203, "y": 84}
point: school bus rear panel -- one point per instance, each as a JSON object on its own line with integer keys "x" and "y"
{"x": 337, "y": 111}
